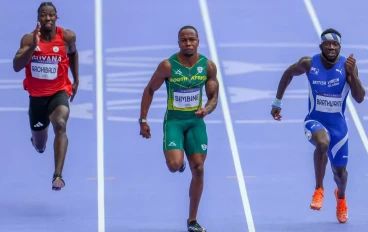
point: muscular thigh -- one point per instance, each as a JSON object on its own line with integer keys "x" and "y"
{"x": 58, "y": 99}
{"x": 337, "y": 137}
{"x": 338, "y": 150}
{"x": 315, "y": 131}
{"x": 196, "y": 140}
{"x": 38, "y": 113}
{"x": 173, "y": 135}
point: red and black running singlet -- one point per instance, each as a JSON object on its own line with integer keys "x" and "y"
{"x": 47, "y": 72}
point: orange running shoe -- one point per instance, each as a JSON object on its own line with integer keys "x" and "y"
{"x": 341, "y": 209}
{"x": 317, "y": 199}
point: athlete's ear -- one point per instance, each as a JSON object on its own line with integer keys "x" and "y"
{"x": 320, "y": 47}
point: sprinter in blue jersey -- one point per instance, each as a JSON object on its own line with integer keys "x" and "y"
{"x": 330, "y": 78}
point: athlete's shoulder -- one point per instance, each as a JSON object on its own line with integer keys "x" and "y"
{"x": 305, "y": 60}
{"x": 28, "y": 35}
{"x": 27, "y": 39}
{"x": 301, "y": 66}
{"x": 211, "y": 69}
{"x": 211, "y": 64}
{"x": 68, "y": 32}
{"x": 164, "y": 65}
{"x": 163, "y": 69}
{"x": 69, "y": 35}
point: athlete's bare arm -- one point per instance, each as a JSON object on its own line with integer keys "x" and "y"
{"x": 296, "y": 69}
{"x": 357, "y": 89}
{"x": 212, "y": 87}
{"x": 70, "y": 40}
{"x": 162, "y": 72}
{"x": 352, "y": 77}
{"x": 24, "y": 53}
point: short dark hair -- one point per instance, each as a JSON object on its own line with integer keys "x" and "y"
{"x": 330, "y": 30}
{"x": 188, "y": 27}
{"x": 46, "y": 4}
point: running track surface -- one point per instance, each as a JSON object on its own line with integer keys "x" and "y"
{"x": 259, "y": 173}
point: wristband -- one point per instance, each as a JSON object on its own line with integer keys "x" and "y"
{"x": 277, "y": 104}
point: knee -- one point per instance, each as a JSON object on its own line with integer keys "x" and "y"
{"x": 39, "y": 140}
{"x": 60, "y": 126}
{"x": 40, "y": 146}
{"x": 340, "y": 172}
{"x": 174, "y": 165}
{"x": 198, "y": 170}
{"x": 322, "y": 146}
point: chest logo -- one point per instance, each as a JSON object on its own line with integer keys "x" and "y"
{"x": 314, "y": 70}
{"x": 200, "y": 69}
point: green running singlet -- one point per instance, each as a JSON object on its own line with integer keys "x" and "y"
{"x": 183, "y": 130}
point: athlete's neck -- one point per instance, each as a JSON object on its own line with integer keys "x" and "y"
{"x": 188, "y": 61}
{"x": 48, "y": 36}
{"x": 328, "y": 63}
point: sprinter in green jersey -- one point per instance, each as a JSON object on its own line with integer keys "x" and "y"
{"x": 185, "y": 74}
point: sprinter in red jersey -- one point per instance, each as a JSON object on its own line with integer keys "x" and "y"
{"x": 46, "y": 55}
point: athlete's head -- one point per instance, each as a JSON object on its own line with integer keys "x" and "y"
{"x": 47, "y": 16}
{"x": 188, "y": 40}
{"x": 330, "y": 44}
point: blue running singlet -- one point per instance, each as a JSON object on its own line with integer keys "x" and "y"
{"x": 328, "y": 91}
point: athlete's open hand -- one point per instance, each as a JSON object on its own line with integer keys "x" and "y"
{"x": 350, "y": 64}
{"x": 276, "y": 114}
{"x": 201, "y": 113}
{"x": 145, "y": 130}
{"x": 36, "y": 35}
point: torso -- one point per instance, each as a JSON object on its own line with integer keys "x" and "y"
{"x": 47, "y": 72}
{"x": 328, "y": 91}
{"x": 185, "y": 88}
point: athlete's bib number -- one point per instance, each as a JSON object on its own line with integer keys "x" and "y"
{"x": 329, "y": 103}
{"x": 46, "y": 71}
{"x": 186, "y": 99}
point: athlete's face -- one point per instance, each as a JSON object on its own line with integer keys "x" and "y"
{"x": 188, "y": 42}
{"x": 330, "y": 49}
{"x": 47, "y": 18}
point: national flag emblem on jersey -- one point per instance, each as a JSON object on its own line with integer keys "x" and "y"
{"x": 314, "y": 70}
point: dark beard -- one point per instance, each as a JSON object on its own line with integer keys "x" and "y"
{"x": 188, "y": 55}
{"x": 47, "y": 30}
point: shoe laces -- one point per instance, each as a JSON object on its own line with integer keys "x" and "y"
{"x": 194, "y": 225}
{"x": 318, "y": 195}
{"x": 341, "y": 206}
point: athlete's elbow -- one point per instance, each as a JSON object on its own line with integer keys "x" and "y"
{"x": 16, "y": 67}
{"x": 148, "y": 91}
{"x": 16, "y": 64}
{"x": 286, "y": 77}
{"x": 359, "y": 98}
